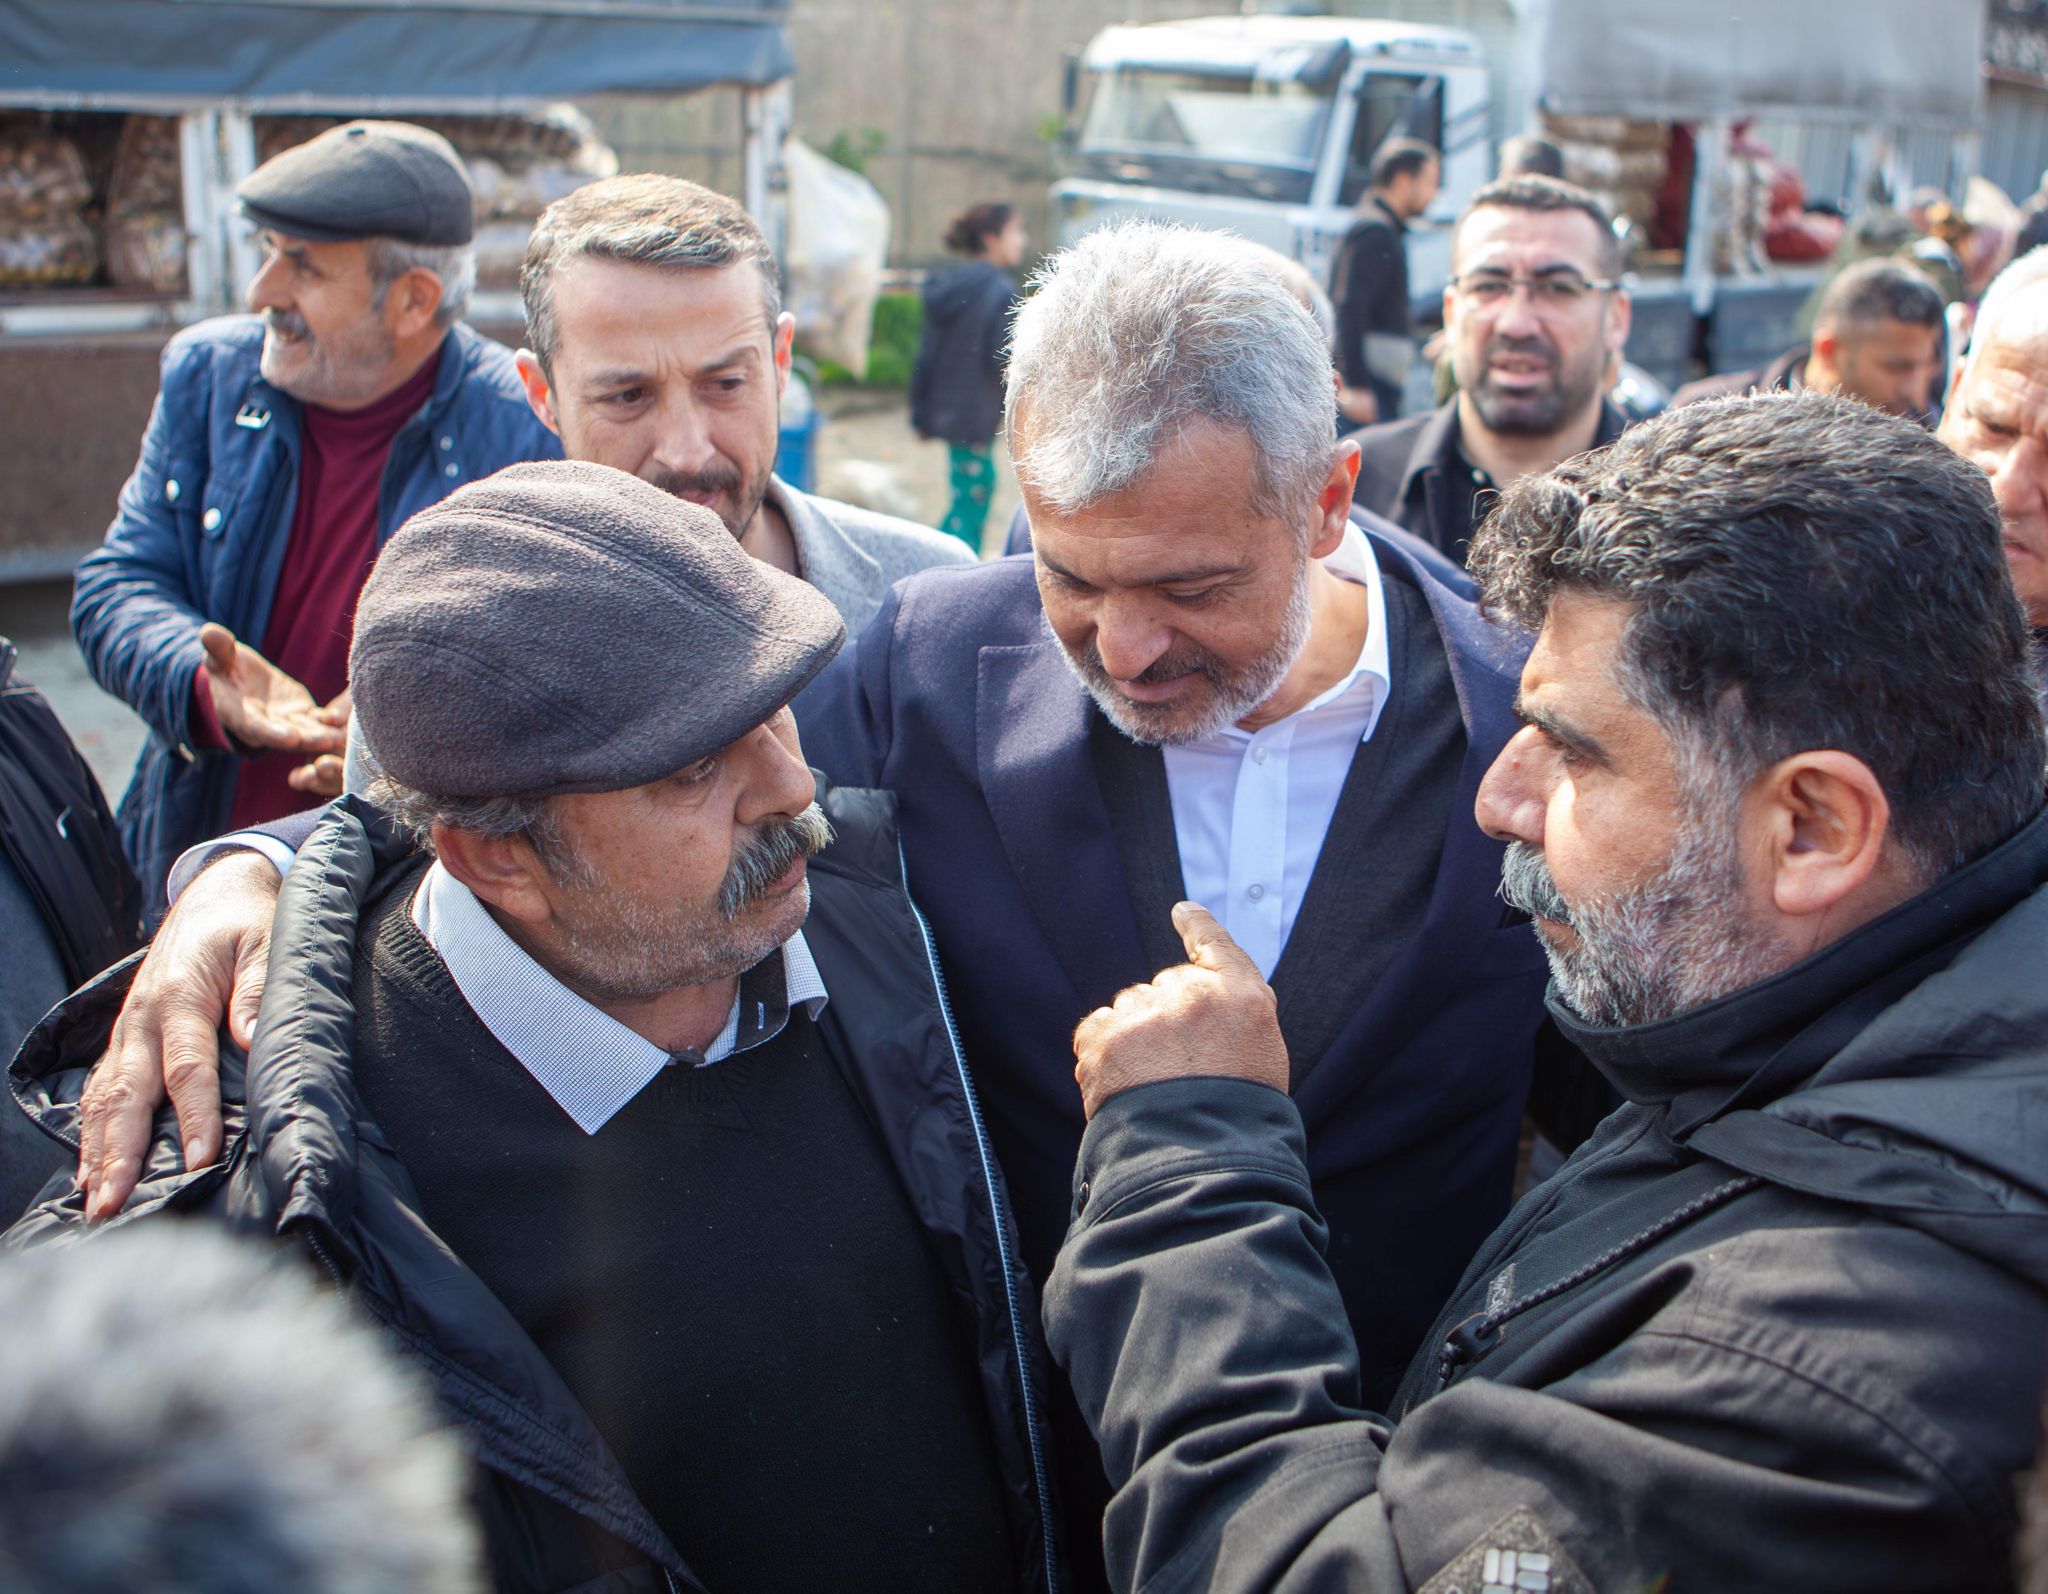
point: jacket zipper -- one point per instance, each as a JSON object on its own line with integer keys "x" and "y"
{"x": 996, "y": 1208}
{"x": 1473, "y": 1338}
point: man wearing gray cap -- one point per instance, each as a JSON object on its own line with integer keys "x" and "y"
{"x": 627, "y": 1098}
{"x": 285, "y": 446}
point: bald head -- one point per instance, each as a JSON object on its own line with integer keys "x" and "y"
{"x": 1997, "y": 416}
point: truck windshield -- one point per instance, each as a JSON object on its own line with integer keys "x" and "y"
{"x": 1226, "y": 134}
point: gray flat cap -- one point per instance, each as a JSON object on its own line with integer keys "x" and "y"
{"x": 565, "y": 627}
{"x": 364, "y": 180}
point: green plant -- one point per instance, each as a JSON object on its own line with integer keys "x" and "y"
{"x": 854, "y": 150}
{"x": 899, "y": 323}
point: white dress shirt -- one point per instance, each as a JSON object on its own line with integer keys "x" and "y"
{"x": 1251, "y": 808}
{"x": 589, "y": 1062}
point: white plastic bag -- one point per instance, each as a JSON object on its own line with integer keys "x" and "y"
{"x": 838, "y": 244}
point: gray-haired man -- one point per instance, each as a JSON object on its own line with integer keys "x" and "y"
{"x": 1209, "y": 683}
{"x": 1997, "y": 417}
{"x": 634, "y": 1114}
{"x": 284, "y": 448}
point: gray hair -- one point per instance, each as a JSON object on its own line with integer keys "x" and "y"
{"x": 192, "y": 1414}
{"x": 2011, "y": 284}
{"x": 453, "y": 264}
{"x": 535, "y": 820}
{"x": 1138, "y": 330}
{"x": 643, "y": 219}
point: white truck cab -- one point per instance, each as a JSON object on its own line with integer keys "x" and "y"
{"x": 1266, "y": 125}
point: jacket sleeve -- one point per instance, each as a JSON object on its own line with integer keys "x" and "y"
{"x": 132, "y": 611}
{"x": 1208, "y": 1348}
{"x": 843, "y": 717}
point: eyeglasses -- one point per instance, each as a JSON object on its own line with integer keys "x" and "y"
{"x": 1554, "y": 290}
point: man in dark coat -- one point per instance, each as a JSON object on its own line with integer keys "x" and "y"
{"x": 1536, "y": 314}
{"x": 1369, "y": 281}
{"x": 1209, "y": 682}
{"x": 631, "y": 1105}
{"x": 1777, "y": 810}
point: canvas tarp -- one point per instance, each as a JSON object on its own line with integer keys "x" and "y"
{"x": 1905, "y": 62}
{"x": 449, "y": 55}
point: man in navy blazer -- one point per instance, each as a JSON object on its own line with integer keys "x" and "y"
{"x": 1079, "y": 740}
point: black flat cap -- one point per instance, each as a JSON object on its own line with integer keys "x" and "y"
{"x": 565, "y": 627}
{"x": 364, "y": 180}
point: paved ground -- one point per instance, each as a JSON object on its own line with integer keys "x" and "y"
{"x": 866, "y": 454}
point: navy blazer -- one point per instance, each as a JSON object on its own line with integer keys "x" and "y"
{"x": 956, "y": 697}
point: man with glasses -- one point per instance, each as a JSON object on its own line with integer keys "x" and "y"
{"x": 1535, "y": 314}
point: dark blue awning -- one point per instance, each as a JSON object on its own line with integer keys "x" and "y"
{"x": 379, "y": 55}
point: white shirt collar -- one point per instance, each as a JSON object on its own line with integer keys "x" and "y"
{"x": 1352, "y": 560}
{"x": 589, "y": 1062}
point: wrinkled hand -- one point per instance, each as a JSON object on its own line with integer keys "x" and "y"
{"x": 207, "y": 961}
{"x": 1210, "y": 1017}
{"x": 325, "y": 775}
{"x": 258, "y": 704}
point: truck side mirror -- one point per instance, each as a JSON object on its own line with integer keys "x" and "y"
{"x": 1070, "y": 83}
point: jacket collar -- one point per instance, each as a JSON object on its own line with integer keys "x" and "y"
{"x": 826, "y": 556}
{"x": 1436, "y": 444}
{"x": 1759, "y": 1042}
{"x": 1788, "y": 371}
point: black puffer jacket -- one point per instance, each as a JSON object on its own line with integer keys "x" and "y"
{"x": 956, "y": 387}
{"x": 304, "y": 1164}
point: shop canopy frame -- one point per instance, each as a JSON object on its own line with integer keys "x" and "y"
{"x": 217, "y": 64}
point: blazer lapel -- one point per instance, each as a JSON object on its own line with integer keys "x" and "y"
{"x": 1464, "y": 908}
{"x": 1031, "y": 750}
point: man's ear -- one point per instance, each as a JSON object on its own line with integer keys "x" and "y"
{"x": 1621, "y": 314}
{"x": 1825, "y": 824}
{"x": 411, "y": 302}
{"x": 1333, "y": 503}
{"x": 503, "y": 872}
{"x": 784, "y": 345}
{"x": 540, "y": 396}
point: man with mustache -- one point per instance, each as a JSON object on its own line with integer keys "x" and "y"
{"x": 618, "y": 1091}
{"x": 1534, "y": 313}
{"x": 285, "y": 446}
{"x": 1776, "y": 806}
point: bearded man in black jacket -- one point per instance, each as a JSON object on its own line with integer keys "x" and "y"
{"x": 1777, "y": 811}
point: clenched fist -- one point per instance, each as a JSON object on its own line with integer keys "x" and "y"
{"x": 1210, "y": 1017}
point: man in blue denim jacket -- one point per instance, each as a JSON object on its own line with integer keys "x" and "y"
{"x": 284, "y": 447}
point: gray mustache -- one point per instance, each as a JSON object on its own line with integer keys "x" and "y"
{"x": 287, "y": 322}
{"x": 760, "y": 862}
{"x": 1525, "y": 883}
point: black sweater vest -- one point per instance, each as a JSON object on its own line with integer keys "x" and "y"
{"x": 728, "y": 1276}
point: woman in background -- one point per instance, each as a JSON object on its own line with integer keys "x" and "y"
{"x": 956, "y": 388}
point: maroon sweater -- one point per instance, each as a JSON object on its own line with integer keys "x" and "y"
{"x": 328, "y": 556}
